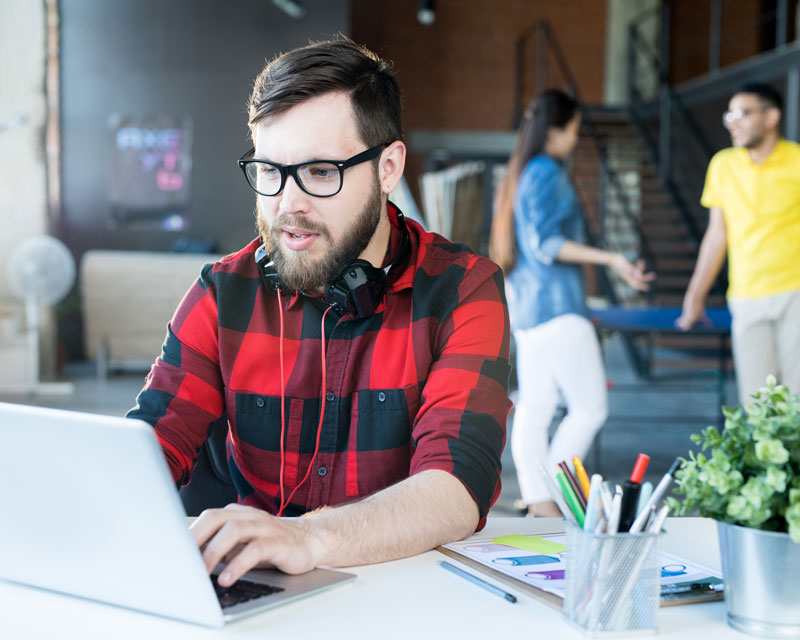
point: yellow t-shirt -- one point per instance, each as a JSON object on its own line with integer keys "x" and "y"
{"x": 761, "y": 205}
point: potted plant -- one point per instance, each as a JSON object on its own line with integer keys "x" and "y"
{"x": 747, "y": 478}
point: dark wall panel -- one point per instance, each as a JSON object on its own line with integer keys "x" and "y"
{"x": 174, "y": 58}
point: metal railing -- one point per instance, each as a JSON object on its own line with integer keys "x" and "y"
{"x": 610, "y": 187}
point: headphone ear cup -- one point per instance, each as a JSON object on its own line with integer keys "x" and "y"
{"x": 266, "y": 269}
{"x": 357, "y": 289}
{"x": 360, "y": 287}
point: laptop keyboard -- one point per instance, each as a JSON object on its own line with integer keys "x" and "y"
{"x": 242, "y": 591}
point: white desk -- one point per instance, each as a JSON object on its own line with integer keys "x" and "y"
{"x": 408, "y": 599}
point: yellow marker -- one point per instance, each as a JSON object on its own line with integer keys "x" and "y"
{"x": 583, "y": 478}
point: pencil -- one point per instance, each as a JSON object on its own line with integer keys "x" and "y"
{"x": 573, "y": 483}
{"x": 570, "y": 497}
{"x": 583, "y": 477}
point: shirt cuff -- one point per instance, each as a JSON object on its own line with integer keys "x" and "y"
{"x": 547, "y": 252}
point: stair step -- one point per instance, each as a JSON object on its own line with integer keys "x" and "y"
{"x": 665, "y": 231}
{"x": 691, "y": 342}
{"x": 671, "y": 281}
{"x": 664, "y": 263}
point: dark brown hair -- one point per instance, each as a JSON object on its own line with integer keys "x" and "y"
{"x": 553, "y": 108}
{"x": 331, "y": 66}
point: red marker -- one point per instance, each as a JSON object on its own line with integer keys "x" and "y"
{"x": 630, "y": 493}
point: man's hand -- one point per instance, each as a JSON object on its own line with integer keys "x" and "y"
{"x": 631, "y": 273}
{"x": 693, "y": 312}
{"x": 246, "y": 538}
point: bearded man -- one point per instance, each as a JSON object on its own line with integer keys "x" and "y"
{"x": 753, "y": 193}
{"x": 359, "y": 363}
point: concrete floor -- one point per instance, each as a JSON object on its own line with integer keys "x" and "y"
{"x": 654, "y": 417}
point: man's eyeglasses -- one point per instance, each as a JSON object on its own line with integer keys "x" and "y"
{"x": 319, "y": 178}
{"x": 734, "y": 115}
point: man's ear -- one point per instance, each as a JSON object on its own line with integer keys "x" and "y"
{"x": 391, "y": 166}
{"x": 773, "y": 117}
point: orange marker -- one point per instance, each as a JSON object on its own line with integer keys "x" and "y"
{"x": 583, "y": 477}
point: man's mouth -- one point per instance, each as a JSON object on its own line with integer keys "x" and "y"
{"x": 298, "y": 239}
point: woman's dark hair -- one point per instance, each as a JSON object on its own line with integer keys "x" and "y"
{"x": 553, "y": 108}
{"x": 331, "y": 66}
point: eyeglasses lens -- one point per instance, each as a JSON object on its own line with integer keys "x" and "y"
{"x": 317, "y": 178}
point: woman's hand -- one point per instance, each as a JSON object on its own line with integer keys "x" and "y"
{"x": 631, "y": 273}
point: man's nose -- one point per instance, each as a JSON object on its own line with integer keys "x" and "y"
{"x": 293, "y": 199}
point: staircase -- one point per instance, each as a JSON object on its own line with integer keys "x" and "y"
{"x": 629, "y": 209}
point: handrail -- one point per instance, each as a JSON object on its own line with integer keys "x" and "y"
{"x": 552, "y": 42}
{"x": 548, "y": 42}
{"x": 635, "y": 42}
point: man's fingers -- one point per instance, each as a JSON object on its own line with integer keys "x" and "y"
{"x": 210, "y": 521}
{"x": 249, "y": 557}
{"x": 231, "y": 535}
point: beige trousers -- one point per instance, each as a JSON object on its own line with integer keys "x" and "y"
{"x": 765, "y": 334}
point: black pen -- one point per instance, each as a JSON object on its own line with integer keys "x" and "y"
{"x": 478, "y": 581}
{"x": 630, "y": 493}
{"x": 655, "y": 497}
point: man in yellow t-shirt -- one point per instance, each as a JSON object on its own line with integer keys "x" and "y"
{"x": 753, "y": 192}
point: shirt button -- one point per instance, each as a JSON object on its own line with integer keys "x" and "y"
{"x": 260, "y": 402}
{"x": 329, "y": 397}
{"x": 322, "y": 471}
{"x": 381, "y": 396}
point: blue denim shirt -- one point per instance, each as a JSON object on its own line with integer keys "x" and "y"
{"x": 546, "y": 214}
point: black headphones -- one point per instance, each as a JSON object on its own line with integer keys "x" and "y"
{"x": 359, "y": 287}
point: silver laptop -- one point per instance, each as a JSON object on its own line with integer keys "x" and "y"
{"x": 89, "y": 509}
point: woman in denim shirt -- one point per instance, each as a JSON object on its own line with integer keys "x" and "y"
{"x": 537, "y": 239}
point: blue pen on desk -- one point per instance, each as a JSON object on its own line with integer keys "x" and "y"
{"x": 478, "y": 581}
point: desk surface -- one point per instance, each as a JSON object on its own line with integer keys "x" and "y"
{"x": 408, "y": 599}
{"x": 657, "y": 319}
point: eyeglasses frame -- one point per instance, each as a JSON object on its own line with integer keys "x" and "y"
{"x": 743, "y": 114}
{"x": 291, "y": 169}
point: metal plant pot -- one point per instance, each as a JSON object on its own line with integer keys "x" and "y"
{"x": 762, "y": 589}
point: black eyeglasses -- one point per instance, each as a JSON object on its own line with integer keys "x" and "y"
{"x": 319, "y": 178}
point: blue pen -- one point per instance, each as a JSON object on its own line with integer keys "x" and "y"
{"x": 478, "y": 581}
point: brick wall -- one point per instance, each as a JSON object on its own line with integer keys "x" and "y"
{"x": 745, "y": 31}
{"x": 459, "y": 72}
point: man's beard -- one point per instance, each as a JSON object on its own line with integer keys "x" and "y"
{"x": 296, "y": 269}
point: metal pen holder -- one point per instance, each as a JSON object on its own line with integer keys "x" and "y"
{"x": 612, "y": 582}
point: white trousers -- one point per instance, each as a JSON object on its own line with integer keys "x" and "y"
{"x": 561, "y": 355}
{"x": 765, "y": 335}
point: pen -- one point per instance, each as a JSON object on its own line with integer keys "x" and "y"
{"x": 605, "y": 495}
{"x": 630, "y": 493}
{"x": 555, "y": 493}
{"x": 573, "y": 483}
{"x": 658, "y": 521}
{"x": 616, "y": 505}
{"x": 570, "y": 497}
{"x": 478, "y": 581}
{"x": 593, "y": 504}
{"x": 644, "y": 496}
{"x": 583, "y": 477}
{"x": 658, "y": 493}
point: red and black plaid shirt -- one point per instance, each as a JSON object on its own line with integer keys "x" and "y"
{"x": 421, "y": 384}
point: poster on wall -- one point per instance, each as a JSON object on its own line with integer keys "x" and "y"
{"x": 150, "y": 172}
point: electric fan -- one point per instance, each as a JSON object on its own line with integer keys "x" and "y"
{"x": 40, "y": 271}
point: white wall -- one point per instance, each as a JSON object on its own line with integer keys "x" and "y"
{"x": 620, "y": 13}
{"x": 23, "y": 199}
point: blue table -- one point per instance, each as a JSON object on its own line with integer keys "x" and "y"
{"x": 646, "y": 319}
{"x": 650, "y": 322}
